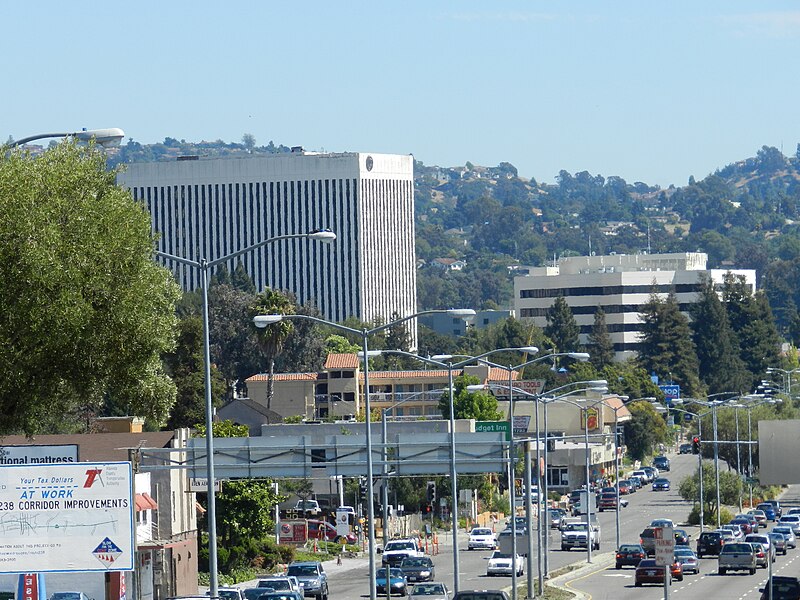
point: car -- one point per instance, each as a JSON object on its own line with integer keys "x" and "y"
{"x": 737, "y": 556}
{"x": 709, "y": 542}
{"x": 555, "y": 515}
{"x": 682, "y": 537}
{"x": 230, "y": 593}
{"x": 396, "y": 583}
{"x": 769, "y": 510}
{"x": 754, "y": 524}
{"x": 764, "y": 540}
{"x": 688, "y": 559}
{"x": 636, "y": 482}
{"x": 647, "y": 539}
{"x": 661, "y": 485}
{"x": 629, "y": 555}
{"x": 624, "y": 487}
{"x": 647, "y": 571}
{"x": 308, "y": 506}
{"x": 312, "y": 578}
{"x": 685, "y": 448}
{"x": 793, "y": 510}
{"x": 69, "y": 596}
{"x": 279, "y": 583}
{"x": 791, "y": 520}
{"x": 432, "y": 590}
{"x": 252, "y": 593}
{"x": 776, "y": 505}
{"x": 481, "y": 595}
{"x": 481, "y": 538}
{"x": 284, "y": 595}
{"x": 761, "y": 555}
{"x": 652, "y": 473}
{"x": 779, "y": 542}
{"x": 418, "y": 569}
{"x": 642, "y": 475}
{"x": 608, "y": 501}
{"x": 781, "y": 588}
{"x": 500, "y": 563}
{"x": 662, "y": 523}
{"x": 745, "y": 525}
{"x": 735, "y": 529}
{"x": 727, "y": 536}
{"x": 396, "y": 551}
{"x": 760, "y": 516}
{"x": 661, "y": 463}
{"x": 786, "y": 531}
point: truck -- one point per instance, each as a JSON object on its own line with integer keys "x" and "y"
{"x": 576, "y": 533}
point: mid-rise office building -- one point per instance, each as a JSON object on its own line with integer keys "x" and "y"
{"x": 620, "y": 284}
{"x": 207, "y": 209}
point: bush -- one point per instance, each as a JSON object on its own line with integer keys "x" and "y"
{"x": 725, "y": 516}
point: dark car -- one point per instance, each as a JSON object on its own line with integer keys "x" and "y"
{"x": 681, "y": 537}
{"x": 481, "y": 595}
{"x": 630, "y": 555}
{"x": 745, "y": 524}
{"x": 418, "y": 569}
{"x": 647, "y": 571}
{"x": 685, "y": 449}
{"x": 783, "y": 588}
{"x": 769, "y": 510}
{"x": 661, "y": 463}
{"x": 709, "y": 542}
{"x": 776, "y": 505}
{"x": 661, "y": 485}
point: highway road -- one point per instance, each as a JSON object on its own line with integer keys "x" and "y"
{"x": 351, "y": 579}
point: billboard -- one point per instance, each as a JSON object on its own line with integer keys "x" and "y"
{"x": 38, "y": 455}
{"x": 66, "y": 517}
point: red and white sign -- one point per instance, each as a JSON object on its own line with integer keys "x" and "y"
{"x": 665, "y": 546}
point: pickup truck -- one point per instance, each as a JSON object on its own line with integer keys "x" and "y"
{"x": 608, "y": 501}
{"x": 737, "y": 556}
{"x": 576, "y": 535}
{"x": 396, "y": 550}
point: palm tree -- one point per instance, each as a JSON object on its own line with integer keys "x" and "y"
{"x": 271, "y": 338}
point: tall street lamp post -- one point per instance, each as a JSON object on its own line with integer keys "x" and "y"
{"x": 699, "y": 417}
{"x": 264, "y": 320}
{"x": 750, "y": 406}
{"x": 438, "y": 360}
{"x": 204, "y": 267}
{"x": 103, "y": 137}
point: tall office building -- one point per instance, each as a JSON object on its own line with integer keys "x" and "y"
{"x": 618, "y": 283}
{"x": 206, "y": 209}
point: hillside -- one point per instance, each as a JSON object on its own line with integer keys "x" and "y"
{"x": 493, "y": 221}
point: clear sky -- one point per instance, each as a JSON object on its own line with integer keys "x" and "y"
{"x": 649, "y": 91}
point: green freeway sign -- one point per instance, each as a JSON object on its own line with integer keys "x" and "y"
{"x": 493, "y": 427}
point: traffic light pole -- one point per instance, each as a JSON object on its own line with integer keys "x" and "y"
{"x": 700, "y": 469}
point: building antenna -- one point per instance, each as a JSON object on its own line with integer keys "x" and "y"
{"x": 648, "y": 238}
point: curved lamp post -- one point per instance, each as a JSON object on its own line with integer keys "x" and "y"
{"x": 103, "y": 137}
{"x": 204, "y": 267}
{"x": 265, "y": 320}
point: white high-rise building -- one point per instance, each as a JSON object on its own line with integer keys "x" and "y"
{"x": 618, "y": 283}
{"x": 207, "y": 209}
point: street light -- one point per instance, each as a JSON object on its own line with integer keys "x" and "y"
{"x": 264, "y": 320}
{"x": 750, "y": 406}
{"x": 438, "y": 360}
{"x": 204, "y": 267}
{"x": 103, "y": 137}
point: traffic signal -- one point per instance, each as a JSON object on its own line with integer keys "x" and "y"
{"x": 362, "y": 486}
{"x": 430, "y": 492}
{"x": 696, "y": 445}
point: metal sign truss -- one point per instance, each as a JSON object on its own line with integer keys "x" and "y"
{"x": 329, "y": 456}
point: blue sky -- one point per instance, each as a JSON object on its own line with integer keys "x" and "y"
{"x": 649, "y": 91}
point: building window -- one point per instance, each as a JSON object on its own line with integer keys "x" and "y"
{"x": 558, "y": 477}
{"x": 349, "y": 396}
{"x": 348, "y": 374}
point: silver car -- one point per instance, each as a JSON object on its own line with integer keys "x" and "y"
{"x": 791, "y": 540}
{"x": 432, "y": 590}
{"x": 688, "y": 559}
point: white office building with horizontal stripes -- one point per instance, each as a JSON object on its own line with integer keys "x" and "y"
{"x": 620, "y": 284}
{"x": 206, "y": 209}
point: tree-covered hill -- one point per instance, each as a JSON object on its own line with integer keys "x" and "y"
{"x": 494, "y": 220}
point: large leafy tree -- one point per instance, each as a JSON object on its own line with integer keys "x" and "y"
{"x": 561, "y": 326}
{"x": 645, "y": 430}
{"x": 720, "y": 367}
{"x": 667, "y": 348}
{"x": 480, "y": 406}
{"x": 87, "y": 313}
{"x": 730, "y": 487}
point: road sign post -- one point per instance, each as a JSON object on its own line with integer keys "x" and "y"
{"x": 665, "y": 553}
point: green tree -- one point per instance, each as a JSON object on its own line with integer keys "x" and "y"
{"x": 272, "y": 337}
{"x": 561, "y": 326}
{"x": 480, "y": 406}
{"x": 241, "y": 280}
{"x": 720, "y": 367}
{"x": 338, "y": 344}
{"x": 304, "y": 349}
{"x": 600, "y": 346}
{"x": 667, "y": 348}
{"x": 185, "y": 366}
{"x": 729, "y": 490}
{"x": 645, "y": 430}
{"x": 87, "y": 313}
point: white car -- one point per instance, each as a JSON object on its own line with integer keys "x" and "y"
{"x": 500, "y": 563}
{"x": 792, "y": 521}
{"x": 481, "y": 538}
